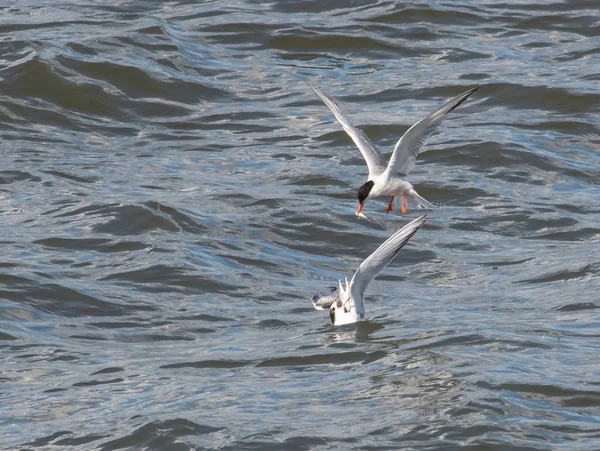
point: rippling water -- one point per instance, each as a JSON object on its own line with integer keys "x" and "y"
{"x": 172, "y": 194}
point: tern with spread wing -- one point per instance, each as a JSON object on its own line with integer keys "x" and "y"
{"x": 388, "y": 180}
{"x": 345, "y": 303}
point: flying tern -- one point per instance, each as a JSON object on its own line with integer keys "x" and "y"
{"x": 389, "y": 180}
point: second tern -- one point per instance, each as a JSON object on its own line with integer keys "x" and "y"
{"x": 345, "y": 303}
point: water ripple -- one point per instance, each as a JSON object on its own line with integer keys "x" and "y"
{"x": 172, "y": 195}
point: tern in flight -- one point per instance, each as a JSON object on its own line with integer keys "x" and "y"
{"x": 389, "y": 180}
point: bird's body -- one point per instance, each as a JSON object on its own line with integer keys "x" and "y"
{"x": 387, "y": 184}
{"x": 388, "y": 180}
{"x": 346, "y": 304}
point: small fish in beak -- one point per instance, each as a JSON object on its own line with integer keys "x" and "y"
{"x": 359, "y": 211}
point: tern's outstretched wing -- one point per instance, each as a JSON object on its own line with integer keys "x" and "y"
{"x": 374, "y": 264}
{"x": 370, "y": 153}
{"x": 408, "y": 147}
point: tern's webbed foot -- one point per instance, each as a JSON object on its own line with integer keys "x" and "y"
{"x": 390, "y": 207}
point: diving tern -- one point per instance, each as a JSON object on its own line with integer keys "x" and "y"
{"x": 389, "y": 180}
{"x": 345, "y": 303}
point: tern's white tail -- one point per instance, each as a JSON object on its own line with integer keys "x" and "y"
{"x": 413, "y": 200}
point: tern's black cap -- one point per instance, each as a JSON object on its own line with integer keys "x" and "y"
{"x": 363, "y": 191}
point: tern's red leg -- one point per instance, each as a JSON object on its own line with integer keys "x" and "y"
{"x": 403, "y": 203}
{"x": 390, "y": 206}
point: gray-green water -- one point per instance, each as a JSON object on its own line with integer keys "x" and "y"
{"x": 172, "y": 194}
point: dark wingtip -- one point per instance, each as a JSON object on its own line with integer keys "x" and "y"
{"x": 469, "y": 92}
{"x": 466, "y": 95}
{"x": 472, "y": 90}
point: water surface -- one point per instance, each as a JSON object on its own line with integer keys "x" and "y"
{"x": 172, "y": 194}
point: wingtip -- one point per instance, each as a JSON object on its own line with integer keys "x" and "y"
{"x": 421, "y": 219}
{"x": 418, "y": 222}
{"x": 468, "y": 92}
{"x": 472, "y": 90}
{"x": 461, "y": 98}
{"x": 317, "y": 91}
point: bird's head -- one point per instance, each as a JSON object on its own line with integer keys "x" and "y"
{"x": 343, "y": 310}
{"x": 339, "y": 302}
{"x": 363, "y": 194}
